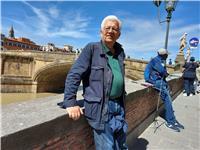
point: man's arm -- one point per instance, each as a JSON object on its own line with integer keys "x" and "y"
{"x": 73, "y": 80}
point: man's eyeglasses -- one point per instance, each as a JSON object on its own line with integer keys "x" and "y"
{"x": 111, "y": 28}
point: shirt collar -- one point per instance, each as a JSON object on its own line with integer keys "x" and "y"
{"x": 105, "y": 48}
{"x": 107, "y": 51}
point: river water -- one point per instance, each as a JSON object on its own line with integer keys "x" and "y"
{"x": 7, "y": 98}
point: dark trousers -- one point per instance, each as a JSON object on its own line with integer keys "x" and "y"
{"x": 189, "y": 86}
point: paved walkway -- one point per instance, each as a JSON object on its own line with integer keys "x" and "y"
{"x": 187, "y": 111}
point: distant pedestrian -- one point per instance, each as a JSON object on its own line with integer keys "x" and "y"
{"x": 156, "y": 74}
{"x": 189, "y": 76}
{"x": 170, "y": 61}
{"x": 198, "y": 79}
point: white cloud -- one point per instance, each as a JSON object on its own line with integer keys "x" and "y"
{"x": 54, "y": 12}
{"x": 42, "y": 21}
{"x": 141, "y": 35}
{"x": 146, "y": 36}
{"x": 52, "y": 23}
{"x": 193, "y": 28}
{"x": 73, "y": 34}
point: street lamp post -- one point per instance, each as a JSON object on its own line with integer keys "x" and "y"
{"x": 170, "y": 6}
{"x": 167, "y": 31}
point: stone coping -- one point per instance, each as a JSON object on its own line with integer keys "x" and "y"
{"x": 19, "y": 116}
{"x": 145, "y": 61}
{"x": 36, "y": 51}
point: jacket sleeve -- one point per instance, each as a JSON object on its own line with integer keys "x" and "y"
{"x": 75, "y": 75}
{"x": 157, "y": 66}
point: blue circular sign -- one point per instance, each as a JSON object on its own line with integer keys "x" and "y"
{"x": 194, "y": 42}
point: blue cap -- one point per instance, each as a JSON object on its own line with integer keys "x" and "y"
{"x": 192, "y": 58}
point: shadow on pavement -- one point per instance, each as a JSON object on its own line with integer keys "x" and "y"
{"x": 140, "y": 144}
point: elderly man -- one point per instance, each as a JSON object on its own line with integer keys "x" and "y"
{"x": 156, "y": 73}
{"x": 100, "y": 67}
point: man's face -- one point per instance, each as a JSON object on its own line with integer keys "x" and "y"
{"x": 111, "y": 32}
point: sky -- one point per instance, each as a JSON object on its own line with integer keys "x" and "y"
{"x": 77, "y": 23}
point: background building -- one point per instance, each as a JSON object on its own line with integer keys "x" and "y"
{"x": 12, "y": 43}
{"x": 50, "y": 47}
{"x": 22, "y": 43}
{"x": 68, "y": 48}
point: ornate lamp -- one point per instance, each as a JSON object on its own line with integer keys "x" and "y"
{"x": 170, "y": 6}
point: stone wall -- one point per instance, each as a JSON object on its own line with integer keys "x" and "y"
{"x": 135, "y": 68}
{"x": 16, "y": 73}
{"x": 13, "y": 65}
{"x": 19, "y": 68}
{"x": 36, "y": 126}
{"x": 25, "y": 65}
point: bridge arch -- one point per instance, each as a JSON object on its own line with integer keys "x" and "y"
{"x": 51, "y": 78}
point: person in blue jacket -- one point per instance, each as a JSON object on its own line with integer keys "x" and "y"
{"x": 189, "y": 76}
{"x": 100, "y": 67}
{"x": 156, "y": 74}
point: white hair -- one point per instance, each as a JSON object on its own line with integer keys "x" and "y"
{"x": 112, "y": 18}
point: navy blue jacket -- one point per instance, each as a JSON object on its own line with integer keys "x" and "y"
{"x": 155, "y": 70}
{"x": 190, "y": 70}
{"x": 92, "y": 69}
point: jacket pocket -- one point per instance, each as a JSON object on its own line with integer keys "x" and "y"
{"x": 96, "y": 73}
{"x": 92, "y": 107}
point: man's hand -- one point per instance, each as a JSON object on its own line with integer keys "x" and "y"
{"x": 74, "y": 112}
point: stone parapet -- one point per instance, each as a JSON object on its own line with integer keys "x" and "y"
{"x": 41, "y": 55}
{"x": 24, "y": 72}
{"x": 134, "y": 68}
{"x": 48, "y": 69}
{"x": 42, "y": 125}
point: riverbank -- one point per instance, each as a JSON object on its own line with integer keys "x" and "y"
{"x": 7, "y": 98}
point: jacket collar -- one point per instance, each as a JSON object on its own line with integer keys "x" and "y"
{"x": 118, "y": 48}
